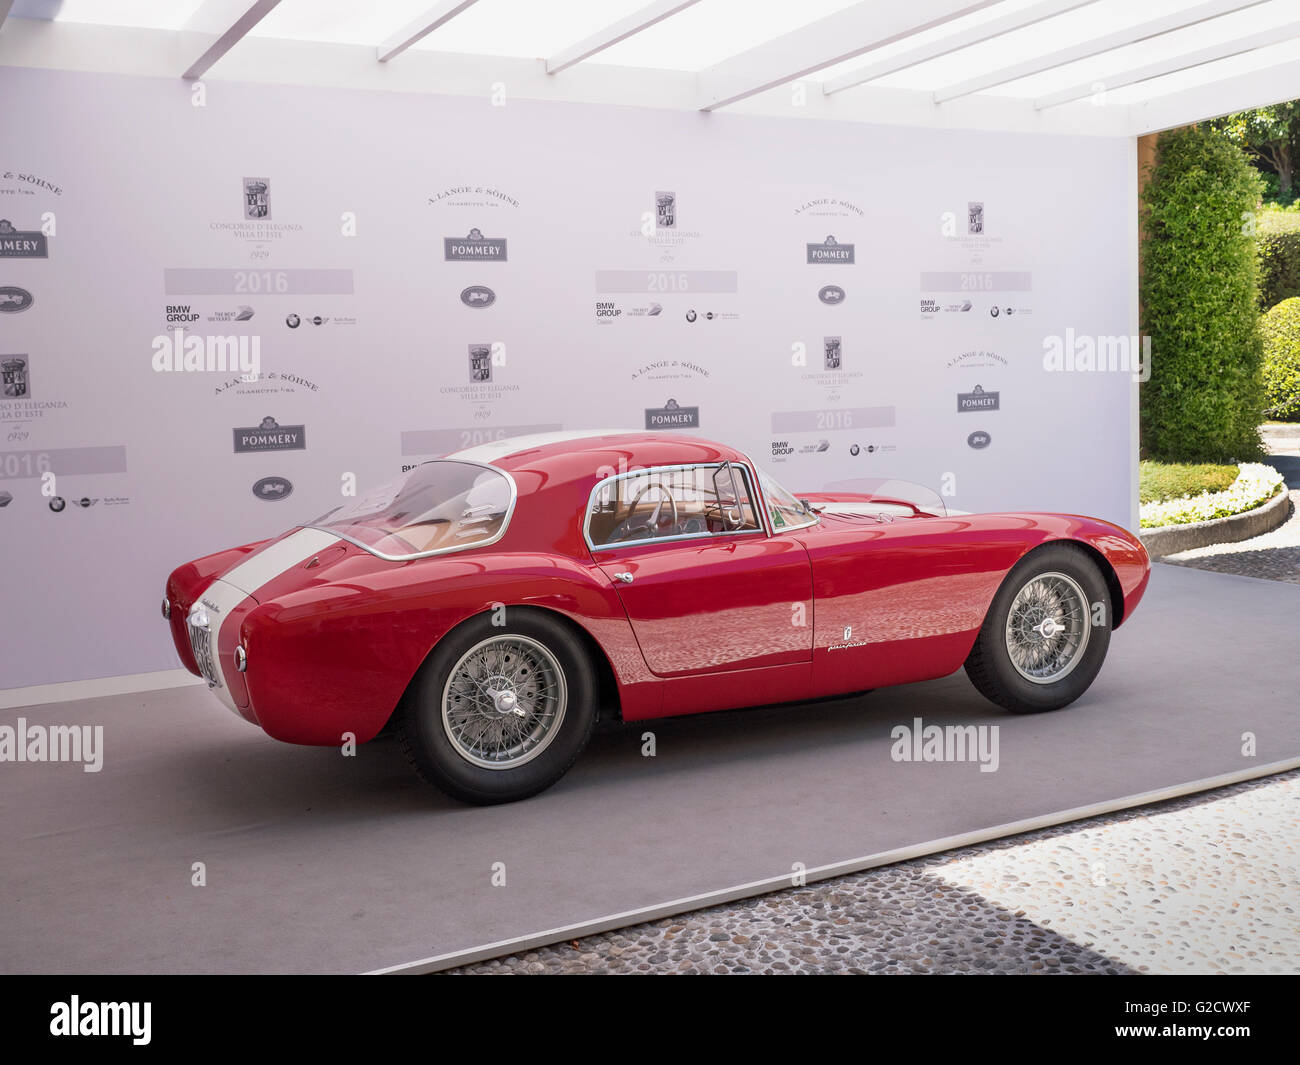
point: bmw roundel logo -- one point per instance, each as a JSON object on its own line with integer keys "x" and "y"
{"x": 273, "y": 488}
{"x": 854, "y": 449}
{"x": 478, "y": 296}
{"x": 831, "y": 294}
{"x": 979, "y": 440}
{"x": 690, "y": 315}
{"x": 58, "y": 503}
{"x": 994, "y": 310}
{"x": 293, "y": 321}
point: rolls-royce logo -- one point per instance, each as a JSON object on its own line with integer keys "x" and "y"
{"x": 830, "y": 251}
{"x": 832, "y": 353}
{"x": 273, "y": 488}
{"x": 20, "y": 244}
{"x": 14, "y": 299}
{"x": 672, "y": 415}
{"x": 257, "y": 199}
{"x": 474, "y": 248}
{"x": 831, "y": 294}
{"x": 975, "y": 217}
{"x": 270, "y": 435}
{"x": 15, "y": 377}
{"x": 978, "y": 400}
{"x": 478, "y": 296}
{"x": 979, "y": 440}
{"x": 665, "y": 210}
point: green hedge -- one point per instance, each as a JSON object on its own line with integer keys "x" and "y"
{"x": 1281, "y": 330}
{"x": 1278, "y": 241}
{"x": 1205, "y": 398}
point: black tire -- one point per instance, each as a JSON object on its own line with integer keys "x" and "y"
{"x": 989, "y": 664}
{"x": 437, "y": 757}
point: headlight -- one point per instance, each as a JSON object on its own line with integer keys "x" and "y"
{"x": 166, "y": 608}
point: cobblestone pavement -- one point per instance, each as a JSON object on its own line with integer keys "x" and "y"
{"x": 1202, "y": 884}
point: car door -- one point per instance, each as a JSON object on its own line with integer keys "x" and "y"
{"x": 705, "y": 588}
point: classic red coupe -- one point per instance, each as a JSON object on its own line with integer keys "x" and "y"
{"x": 491, "y": 603}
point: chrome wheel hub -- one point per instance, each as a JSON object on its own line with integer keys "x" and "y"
{"x": 1048, "y": 627}
{"x": 504, "y": 701}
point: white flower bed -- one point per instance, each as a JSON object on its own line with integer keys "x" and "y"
{"x": 1255, "y": 484}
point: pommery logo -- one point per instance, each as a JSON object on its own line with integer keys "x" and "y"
{"x": 474, "y": 247}
{"x": 22, "y": 244}
{"x": 830, "y": 251}
{"x": 672, "y": 415}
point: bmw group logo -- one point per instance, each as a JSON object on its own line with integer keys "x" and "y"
{"x": 58, "y": 503}
{"x": 691, "y": 315}
{"x": 293, "y": 321}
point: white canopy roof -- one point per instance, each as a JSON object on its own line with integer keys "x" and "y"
{"x": 1117, "y": 67}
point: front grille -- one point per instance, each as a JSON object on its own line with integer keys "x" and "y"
{"x": 200, "y": 633}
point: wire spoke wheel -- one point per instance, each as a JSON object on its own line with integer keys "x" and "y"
{"x": 504, "y": 701}
{"x": 1048, "y": 627}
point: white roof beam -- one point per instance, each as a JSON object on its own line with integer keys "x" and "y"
{"x": 823, "y": 43}
{"x": 253, "y": 14}
{"x": 1223, "y": 50}
{"x": 641, "y": 19}
{"x": 1259, "y": 88}
{"x": 951, "y": 43}
{"x": 421, "y": 28}
{"x": 1143, "y": 31}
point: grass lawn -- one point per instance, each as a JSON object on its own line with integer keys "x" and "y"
{"x": 1172, "y": 480}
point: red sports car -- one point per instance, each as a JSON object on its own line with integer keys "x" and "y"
{"x": 492, "y": 602}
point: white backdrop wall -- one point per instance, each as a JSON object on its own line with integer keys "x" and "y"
{"x": 149, "y": 197}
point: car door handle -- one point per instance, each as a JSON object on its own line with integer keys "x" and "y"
{"x": 626, "y": 578}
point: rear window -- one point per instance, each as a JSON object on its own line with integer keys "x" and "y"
{"x": 439, "y": 506}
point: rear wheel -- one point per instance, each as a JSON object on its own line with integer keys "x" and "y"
{"x": 499, "y": 713}
{"x": 1046, "y": 633}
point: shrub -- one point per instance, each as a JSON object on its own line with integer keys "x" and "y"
{"x": 1205, "y": 397}
{"x": 1158, "y": 481}
{"x": 1281, "y": 331}
{"x": 1255, "y": 485}
{"x": 1277, "y": 238}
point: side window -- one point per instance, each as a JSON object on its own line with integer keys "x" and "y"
{"x": 657, "y": 503}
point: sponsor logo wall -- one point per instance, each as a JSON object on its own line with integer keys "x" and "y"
{"x": 568, "y": 266}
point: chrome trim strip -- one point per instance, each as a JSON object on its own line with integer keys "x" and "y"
{"x": 505, "y": 522}
{"x": 644, "y": 470}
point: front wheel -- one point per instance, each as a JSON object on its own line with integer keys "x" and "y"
{"x": 499, "y": 713}
{"x": 1046, "y": 633}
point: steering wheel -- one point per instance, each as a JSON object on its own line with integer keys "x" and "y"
{"x": 652, "y": 522}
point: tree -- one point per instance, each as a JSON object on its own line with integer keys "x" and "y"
{"x": 1270, "y": 135}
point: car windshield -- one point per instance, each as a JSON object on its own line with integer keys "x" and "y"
{"x": 439, "y": 506}
{"x": 786, "y": 510}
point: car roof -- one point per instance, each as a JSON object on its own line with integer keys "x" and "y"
{"x": 581, "y": 453}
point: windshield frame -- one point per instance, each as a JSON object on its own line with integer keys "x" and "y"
{"x": 759, "y": 474}
{"x": 454, "y": 548}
